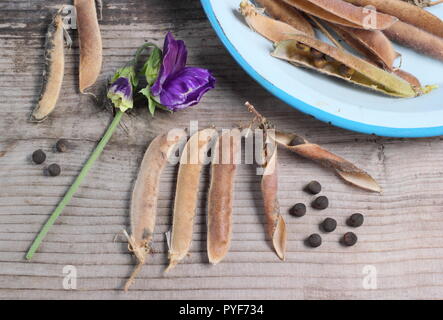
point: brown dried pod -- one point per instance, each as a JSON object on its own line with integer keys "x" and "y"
{"x": 188, "y": 180}
{"x": 269, "y": 28}
{"x": 343, "y": 13}
{"x": 345, "y": 169}
{"x": 280, "y": 10}
{"x": 54, "y": 70}
{"x": 406, "y": 12}
{"x": 220, "y": 197}
{"x": 145, "y": 195}
{"x": 416, "y": 38}
{"x": 372, "y": 44}
{"x": 366, "y": 74}
{"x": 90, "y": 43}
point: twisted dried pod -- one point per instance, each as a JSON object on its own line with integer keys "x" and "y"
{"x": 90, "y": 43}
{"x": 417, "y": 39}
{"x": 372, "y": 44}
{"x": 54, "y": 70}
{"x": 188, "y": 180}
{"x": 343, "y": 13}
{"x": 406, "y": 12}
{"x": 145, "y": 195}
{"x": 269, "y": 28}
{"x": 343, "y": 65}
{"x": 275, "y": 224}
{"x": 223, "y": 169}
{"x": 345, "y": 169}
{"x": 280, "y": 10}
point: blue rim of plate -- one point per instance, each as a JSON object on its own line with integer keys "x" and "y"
{"x": 309, "y": 109}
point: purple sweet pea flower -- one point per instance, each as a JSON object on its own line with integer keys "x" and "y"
{"x": 178, "y": 87}
{"x": 120, "y": 93}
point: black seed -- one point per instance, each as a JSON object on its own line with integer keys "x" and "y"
{"x": 329, "y": 225}
{"x": 296, "y": 141}
{"x": 298, "y": 210}
{"x": 349, "y": 239}
{"x": 313, "y": 187}
{"x": 320, "y": 203}
{"x": 39, "y": 156}
{"x": 314, "y": 240}
{"x": 355, "y": 220}
{"x": 62, "y": 145}
{"x": 54, "y": 170}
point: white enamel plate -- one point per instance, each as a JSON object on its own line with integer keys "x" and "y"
{"x": 329, "y": 99}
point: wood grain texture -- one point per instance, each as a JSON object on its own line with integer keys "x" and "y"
{"x": 402, "y": 235}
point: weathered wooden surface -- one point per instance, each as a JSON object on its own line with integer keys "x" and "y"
{"x": 402, "y": 236}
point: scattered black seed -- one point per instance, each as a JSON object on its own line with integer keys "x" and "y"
{"x": 355, "y": 220}
{"x": 329, "y": 225}
{"x": 314, "y": 240}
{"x": 298, "y": 210}
{"x": 39, "y": 156}
{"x": 62, "y": 145}
{"x": 320, "y": 203}
{"x": 297, "y": 141}
{"x": 349, "y": 239}
{"x": 313, "y": 187}
{"x": 54, "y": 170}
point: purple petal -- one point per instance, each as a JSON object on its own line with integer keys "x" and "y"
{"x": 186, "y": 88}
{"x": 174, "y": 60}
{"x": 122, "y": 86}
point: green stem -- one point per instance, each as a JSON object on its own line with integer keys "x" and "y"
{"x": 73, "y": 189}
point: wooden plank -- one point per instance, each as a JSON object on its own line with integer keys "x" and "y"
{"x": 401, "y": 237}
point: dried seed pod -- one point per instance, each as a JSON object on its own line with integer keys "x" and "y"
{"x": 407, "y": 13}
{"x": 366, "y": 74}
{"x": 269, "y": 28}
{"x": 372, "y": 44}
{"x": 145, "y": 195}
{"x": 409, "y": 78}
{"x": 275, "y": 224}
{"x": 54, "y": 70}
{"x": 345, "y": 169}
{"x": 223, "y": 168}
{"x": 417, "y": 39}
{"x": 90, "y": 43}
{"x": 343, "y": 13}
{"x": 188, "y": 180}
{"x": 280, "y": 10}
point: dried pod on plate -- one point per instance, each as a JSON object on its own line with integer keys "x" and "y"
{"x": 269, "y": 28}
{"x": 407, "y": 13}
{"x": 365, "y": 74}
{"x": 280, "y": 10}
{"x": 343, "y": 13}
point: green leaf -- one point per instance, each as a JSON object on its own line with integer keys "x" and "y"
{"x": 151, "y": 103}
{"x": 152, "y": 66}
